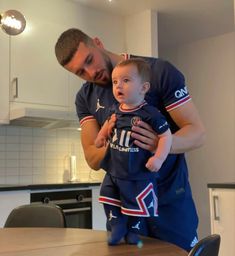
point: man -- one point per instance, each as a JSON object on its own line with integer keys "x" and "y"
{"x": 88, "y": 59}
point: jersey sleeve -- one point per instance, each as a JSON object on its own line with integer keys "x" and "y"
{"x": 82, "y": 109}
{"x": 159, "y": 123}
{"x": 172, "y": 87}
{"x": 155, "y": 118}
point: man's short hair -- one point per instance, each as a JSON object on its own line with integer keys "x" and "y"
{"x": 67, "y": 44}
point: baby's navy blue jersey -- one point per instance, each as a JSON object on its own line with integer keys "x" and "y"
{"x": 125, "y": 160}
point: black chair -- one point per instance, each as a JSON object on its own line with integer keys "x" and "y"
{"x": 36, "y": 215}
{"x": 208, "y": 246}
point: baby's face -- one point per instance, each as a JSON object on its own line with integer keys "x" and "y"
{"x": 127, "y": 85}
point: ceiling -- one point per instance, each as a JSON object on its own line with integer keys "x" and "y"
{"x": 179, "y": 21}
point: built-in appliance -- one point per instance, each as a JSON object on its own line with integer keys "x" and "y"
{"x": 76, "y": 205}
{"x": 43, "y": 118}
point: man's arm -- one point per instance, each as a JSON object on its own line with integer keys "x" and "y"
{"x": 191, "y": 134}
{"x": 93, "y": 155}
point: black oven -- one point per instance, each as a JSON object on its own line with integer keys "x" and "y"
{"x": 76, "y": 205}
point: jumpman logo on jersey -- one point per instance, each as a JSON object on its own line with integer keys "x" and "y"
{"x": 137, "y": 225}
{"x": 194, "y": 242}
{"x": 111, "y": 216}
{"x": 151, "y": 205}
{"x": 98, "y": 106}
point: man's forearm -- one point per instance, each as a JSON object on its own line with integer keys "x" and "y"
{"x": 187, "y": 138}
{"x": 94, "y": 156}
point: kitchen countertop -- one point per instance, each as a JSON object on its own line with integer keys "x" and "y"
{"x": 221, "y": 185}
{"x": 77, "y": 184}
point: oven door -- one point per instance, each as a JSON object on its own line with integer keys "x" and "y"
{"x": 76, "y": 205}
{"x": 77, "y": 215}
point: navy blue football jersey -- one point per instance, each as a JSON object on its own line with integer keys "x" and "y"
{"x": 123, "y": 158}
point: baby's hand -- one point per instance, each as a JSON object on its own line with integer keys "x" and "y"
{"x": 100, "y": 142}
{"x": 154, "y": 164}
{"x": 111, "y": 124}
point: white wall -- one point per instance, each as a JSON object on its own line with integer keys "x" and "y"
{"x": 209, "y": 68}
{"x": 142, "y": 33}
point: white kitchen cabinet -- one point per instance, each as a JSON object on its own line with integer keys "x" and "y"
{"x": 222, "y": 212}
{"x": 34, "y": 67}
{"x": 4, "y": 79}
{"x": 32, "y": 73}
{"x": 98, "y": 215}
{"x": 11, "y": 199}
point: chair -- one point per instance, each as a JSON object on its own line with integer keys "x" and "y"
{"x": 208, "y": 246}
{"x": 36, "y": 215}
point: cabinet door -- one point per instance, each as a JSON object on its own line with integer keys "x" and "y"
{"x": 98, "y": 215}
{"x": 222, "y": 206}
{"x": 4, "y": 73}
{"x": 4, "y": 79}
{"x": 34, "y": 68}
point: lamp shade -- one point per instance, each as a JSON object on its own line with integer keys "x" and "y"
{"x": 12, "y": 22}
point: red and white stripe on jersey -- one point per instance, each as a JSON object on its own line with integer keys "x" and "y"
{"x": 109, "y": 200}
{"x": 178, "y": 103}
{"x": 86, "y": 119}
{"x": 143, "y": 208}
{"x": 132, "y": 109}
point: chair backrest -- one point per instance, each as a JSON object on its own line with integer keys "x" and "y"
{"x": 36, "y": 215}
{"x": 208, "y": 246}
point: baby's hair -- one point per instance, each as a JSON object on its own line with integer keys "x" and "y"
{"x": 142, "y": 66}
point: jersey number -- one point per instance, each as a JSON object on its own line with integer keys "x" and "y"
{"x": 124, "y": 140}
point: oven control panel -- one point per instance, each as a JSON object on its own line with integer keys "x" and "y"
{"x": 62, "y": 197}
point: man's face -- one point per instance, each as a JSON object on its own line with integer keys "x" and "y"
{"x": 91, "y": 63}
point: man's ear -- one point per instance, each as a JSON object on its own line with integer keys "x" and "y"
{"x": 98, "y": 43}
{"x": 146, "y": 86}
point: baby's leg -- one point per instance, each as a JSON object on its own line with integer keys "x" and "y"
{"x": 134, "y": 225}
{"x": 117, "y": 222}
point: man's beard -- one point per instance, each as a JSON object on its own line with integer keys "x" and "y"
{"x": 109, "y": 68}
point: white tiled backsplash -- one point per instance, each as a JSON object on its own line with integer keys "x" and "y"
{"x": 37, "y": 156}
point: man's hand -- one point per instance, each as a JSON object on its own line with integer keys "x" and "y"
{"x": 145, "y": 137}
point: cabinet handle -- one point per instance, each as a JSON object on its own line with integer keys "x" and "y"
{"x": 216, "y": 207}
{"x": 15, "y": 82}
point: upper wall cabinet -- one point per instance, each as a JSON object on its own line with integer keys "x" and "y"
{"x": 4, "y": 79}
{"x": 31, "y": 75}
{"x": 35, "y": 75}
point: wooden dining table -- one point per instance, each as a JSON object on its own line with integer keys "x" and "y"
{"x": 76, "y": 242}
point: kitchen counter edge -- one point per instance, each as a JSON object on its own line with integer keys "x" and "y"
{"x": 222, "y": 185}
{"x": 12, "y": 187}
